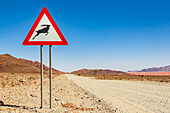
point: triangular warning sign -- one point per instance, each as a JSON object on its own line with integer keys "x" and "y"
{"x": 45, "y": 31}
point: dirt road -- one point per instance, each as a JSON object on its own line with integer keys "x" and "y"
{"x": 129, "y": 96}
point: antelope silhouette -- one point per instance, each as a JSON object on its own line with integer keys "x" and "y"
{"x": 43, "y": 30}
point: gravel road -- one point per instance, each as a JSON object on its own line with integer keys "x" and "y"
{"x": 129, "y": 96}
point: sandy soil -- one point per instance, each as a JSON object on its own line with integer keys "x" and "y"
{"x": 129, "y": 96}
{"x": 24, "y": 96}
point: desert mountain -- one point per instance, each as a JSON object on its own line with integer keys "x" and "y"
{"x": 9, "y": 63}
{"x": 155, "y": 69}
{"x": 38, "y": 65}
{"x": 99, "y": 72}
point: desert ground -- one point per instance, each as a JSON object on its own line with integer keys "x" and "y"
{"x": 21, "y": 93}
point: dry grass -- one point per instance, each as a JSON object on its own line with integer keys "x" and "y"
{"x": 17, "y": 79}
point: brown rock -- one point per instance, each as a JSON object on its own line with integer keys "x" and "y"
{"x": 56, "y": 99}
{"x": 33, "y": 95}
{"x": 1, "y": 103}
{"x": 75, "y": 107}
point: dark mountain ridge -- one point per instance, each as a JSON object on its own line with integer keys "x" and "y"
{"x": 154, "y": 69}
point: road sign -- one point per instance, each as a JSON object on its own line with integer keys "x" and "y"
{"x": 45, "y": 31}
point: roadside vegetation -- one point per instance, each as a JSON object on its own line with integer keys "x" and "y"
{"x": 19, "y": 79}
{"x": 157, "y": 78}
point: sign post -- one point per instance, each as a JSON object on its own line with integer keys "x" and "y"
{"x": 50, "y": 75}
{"x": 41, "y": 76}
{"x": 45, "y": 32}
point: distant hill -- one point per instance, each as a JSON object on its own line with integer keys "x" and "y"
{"x": 106, "y": 74}
{"x": 38, "y": 65}
{"x": 9, "y": 63}
{"x": 99, "y": 72}
{"x": 154, "y": 69}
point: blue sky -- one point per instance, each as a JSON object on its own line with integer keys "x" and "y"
{"x": 108, "y": 34}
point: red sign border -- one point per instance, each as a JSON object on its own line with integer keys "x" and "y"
{"x": 45, "y": 11}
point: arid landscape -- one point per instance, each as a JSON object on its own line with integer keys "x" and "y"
{"x": 118, "y": 75}
{"x": 85, "y": 56}
{"x": 85, "y": 90}
{"x": 21, "y": 93}
{"x": 129, "y": 96}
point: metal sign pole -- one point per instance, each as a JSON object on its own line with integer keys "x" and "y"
{"x": 41, "y": 76}
{"x": 50, "y": 75}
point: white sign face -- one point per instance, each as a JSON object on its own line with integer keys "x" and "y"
{"x": 45, "y": 31}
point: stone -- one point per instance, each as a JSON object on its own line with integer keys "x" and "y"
{"x": 1, "y": 103}
{"x": 98, "y": 100}
{"x": 86, "y": 96}
{"x": 62, "y": 102}
{"x": 56, "y": 99}
{"x": 22, "y": 80}
{"x": 33, "y": 95}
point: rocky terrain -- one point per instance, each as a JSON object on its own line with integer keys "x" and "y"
{"x": 11, "y": 64}
{"x": 90, "y": 91}
{"x": 21, "y": 93}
